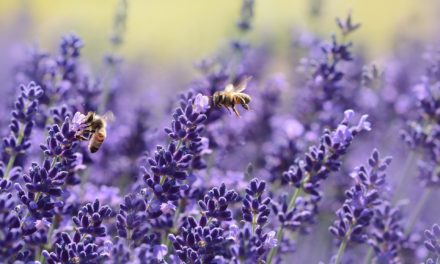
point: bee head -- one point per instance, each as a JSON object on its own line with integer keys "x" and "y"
{"x": 89, "y": 117}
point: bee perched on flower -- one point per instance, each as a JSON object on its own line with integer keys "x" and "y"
{"x": 91, "y": 127}
{"x": 233, "y": 95}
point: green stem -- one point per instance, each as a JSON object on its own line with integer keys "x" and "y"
{"x": 54, "y": 162}
{"x": 417, "y": 210}
{"x": 40, "y": 257}
{"x": 47, "y": 246}
{"x": 14, "y": 155}
{"x": 37, "y": 196}
{"x": 162, "y": 180}
{"x": 10, "y": 164}
{"x": 254, "y": 223}
{"x": 177, "y": 214}
{"x": 407, "y": 169}
{"x": 49, "y": 234}
{"x": 343, "y": 245}
{"x": 129, "y": 235}
{"x": 169, "y": 247}
{"x": 166, "y": 241}
{"x": 150, "y": 201}
{"x": 274, "y": 250}
{"x": 179, "y": 144}
{"x": 294, "y": 198}
{"x": 369, "y": 257}
{"x": 342, "y": 248}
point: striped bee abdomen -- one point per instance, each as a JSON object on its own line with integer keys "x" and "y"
{"x": 97, "y": 140}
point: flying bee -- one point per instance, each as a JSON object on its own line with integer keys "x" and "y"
{"x": 94, "y": 129}
{"x": 232, "y": 96}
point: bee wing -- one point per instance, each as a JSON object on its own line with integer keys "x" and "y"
{"x": 109, "y": 117}
{"x": 229, "y": 88}
{"x": 242, "y": 85}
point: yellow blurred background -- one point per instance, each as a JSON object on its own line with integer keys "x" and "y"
{"x": 186, "y": 30}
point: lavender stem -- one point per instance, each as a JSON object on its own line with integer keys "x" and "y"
{"x": 274, "y": 250}
{"x": 369, "y": 256}
{"x": 342, "y": 247}
{"x": 406, "y": 172}
{"x": 417, "y": 210}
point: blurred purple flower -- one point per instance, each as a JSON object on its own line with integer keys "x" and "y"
{"x": 160, "y": 251}
{"x": 201, "y": 103}
{"x": 167, "y": 208}
{"x": 78, "y": 122}
{"x": 271, "y": 241}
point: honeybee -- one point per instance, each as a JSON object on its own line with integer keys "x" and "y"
{"x": 95, "y": 129}
{"x": 231, "y": 96}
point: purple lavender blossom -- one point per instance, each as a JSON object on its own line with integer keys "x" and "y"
{"x": 215, "y": 203}
{"x": 22, "y": 122}
{"x": 362, "y": 200}
{"x": 200, "y": 242}
{"x": 432, "y": 242}
{"x": 262, "y": 188}
{"x": 90, "y": 218}
{"x": 73, "y": 250}
{"x": 10, "y": 223}
{"x": 306, "y": 175}
{"x": 387, "y": 236}
{"x": 201, "y": 103}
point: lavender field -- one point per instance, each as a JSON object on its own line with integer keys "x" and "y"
{"x": 324, "y": 149}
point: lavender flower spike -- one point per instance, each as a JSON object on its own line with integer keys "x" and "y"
{"x": 362, "y": 199}
{"x": 319, "y": 162}
{"x": 21, "y": 125}
{"x": 432, "y": 243}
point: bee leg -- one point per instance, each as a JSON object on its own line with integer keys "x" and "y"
{"x": 87, "y": 130}
{"x": 227, "y": 108}
{"x": 81, "y": 137}
{"x": 243, "y": 103}
{"x": 235, "y": 111}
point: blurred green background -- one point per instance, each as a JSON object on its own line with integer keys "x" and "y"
{"x": 181, "y": 31}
